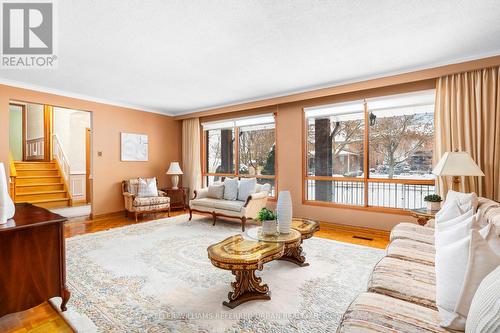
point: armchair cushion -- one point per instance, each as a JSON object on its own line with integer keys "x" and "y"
{"x": 147, "y": 188}
{"x": 140, "y": 202}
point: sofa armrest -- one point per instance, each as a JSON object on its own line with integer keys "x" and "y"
{"x": 254, "y": 204}
{"x": 162, "y": 193}
{"x": 200, "y": 193}
{"x": 257, "y": 196}
{"x": 431, "y": 223}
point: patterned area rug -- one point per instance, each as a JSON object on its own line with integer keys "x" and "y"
{"x": 156, "y": 277}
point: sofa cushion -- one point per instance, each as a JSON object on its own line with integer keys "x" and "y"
{"x": 139, "y": 202}
{"x": 371, "y": 312}
{"x": 204, "y": 202}
{"x": 414, "y": 232}
{"x": 406, "y": 280}
{"x": 152, "y": 208}
{"x": 484, "y": 313}
{"x": 232, "y": 205}
{"x": 406, "y": 227}
{"x": 246, "y": 188}
{"x": 230, "y": 188}
{"x": 408, "y": 249}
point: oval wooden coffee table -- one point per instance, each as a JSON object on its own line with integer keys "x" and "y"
{"x": 242, "y": 257}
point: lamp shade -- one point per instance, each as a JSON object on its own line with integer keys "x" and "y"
{"x": 174, "y": 169}
{"x": 458, "y": 163}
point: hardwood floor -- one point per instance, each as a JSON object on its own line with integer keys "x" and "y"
{"x": 44, "y": 318}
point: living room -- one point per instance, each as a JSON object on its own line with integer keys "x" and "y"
{"x": 259, "y": 151}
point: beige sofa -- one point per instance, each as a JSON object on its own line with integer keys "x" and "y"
{"x": 235, "y": 209}
{"x": 401, "y": 292}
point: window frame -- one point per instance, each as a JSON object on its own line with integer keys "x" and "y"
{"x": 366, "y": 180}
{"x": 236, "y": 153}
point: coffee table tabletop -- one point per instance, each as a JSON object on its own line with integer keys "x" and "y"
{"x": 256, "y": 234}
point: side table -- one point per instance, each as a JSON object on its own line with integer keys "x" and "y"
{"x": 423, "y": 215}
{"x": 178, "y": 197}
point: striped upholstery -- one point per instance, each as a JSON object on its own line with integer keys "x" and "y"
{"x": 406, "y": 280}
{"x": 407, "y": 249}
{"x": 413, "y": 231}
{"x": 371, "y": 312}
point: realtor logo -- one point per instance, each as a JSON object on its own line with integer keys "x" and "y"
{"x": 28, "y": 34}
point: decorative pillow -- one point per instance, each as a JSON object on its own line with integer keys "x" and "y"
{"x": 484, "y": 313}
{"x": 460, "y": 268}
{"x": 456, "y": 204}
{"x": 147, "y": 188}
{"x": 457, "y": 231}
{"x": 216, "y": 191}
{"x": 230, "y": 188}
{"x": 247, "y": 188}
{"x": 443, "y": 225}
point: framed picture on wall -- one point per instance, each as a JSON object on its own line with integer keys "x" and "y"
{"x": 134, "y": 147}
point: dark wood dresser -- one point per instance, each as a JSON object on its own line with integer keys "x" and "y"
{"x": 32, "y": 259}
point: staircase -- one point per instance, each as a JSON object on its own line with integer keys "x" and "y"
{"x": 41, "y": 184}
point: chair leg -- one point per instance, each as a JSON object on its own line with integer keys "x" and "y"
{"x": 135, "y": 216}
{"x": 190, "y": 214}
{"x": 214, "y": 217}
{"x": 168, "y": 214}
{"x": 243, "y": 221}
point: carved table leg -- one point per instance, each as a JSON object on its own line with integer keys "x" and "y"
{"x": 246, "y": 288}
{"x": 65, "y": 298}
{"x": 295, "y": 255}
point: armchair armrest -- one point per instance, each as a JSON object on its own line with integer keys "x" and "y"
{"x": 128, "y": 195}
{"x": 200, "y": 193}
{"x": 162, "y": 193}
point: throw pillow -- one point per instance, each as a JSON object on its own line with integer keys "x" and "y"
{"x": 484, "y": 313}
{"x": 247, "y": 188}
{"x": 456, "y": 204}
{"x": 460, "y": 268}
{"x": 457, "y": 231}
{"x": 230, "y": 188}
{"x": 147, "y": 188}
{"x": 216, "y": 191}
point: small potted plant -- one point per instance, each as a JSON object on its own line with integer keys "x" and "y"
{"x": 268, "y": 220}
{"x": 433, "y": 202}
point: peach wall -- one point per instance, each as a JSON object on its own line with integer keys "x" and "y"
{"x": 289, "y": 131}
{"x": 107, "y": 122}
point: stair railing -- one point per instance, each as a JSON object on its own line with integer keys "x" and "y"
{"x": 61, "y": 158}
{"x": 12, "y": 177}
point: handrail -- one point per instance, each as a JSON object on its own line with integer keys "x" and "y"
{"x": 61, "y": 158}
{"x": 12, "y": 176}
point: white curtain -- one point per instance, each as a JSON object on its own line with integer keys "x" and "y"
{"x": 191, "y": 152}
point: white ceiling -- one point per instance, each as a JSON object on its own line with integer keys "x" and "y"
{"x": 180, "y": 56}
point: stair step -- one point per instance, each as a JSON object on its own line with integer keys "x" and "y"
{"x": 26, "y": 188}
{"x": 50, "y": 203}
{"x": 35, "y": 165}
{"x": 37, "y": 172}
{"x": 22, "y": 180}
{"x": 42, "y": 195}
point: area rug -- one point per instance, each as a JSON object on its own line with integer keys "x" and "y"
{"x": 156, "y": 277}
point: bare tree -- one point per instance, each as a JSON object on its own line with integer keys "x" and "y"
{"x": 397, "y": 138}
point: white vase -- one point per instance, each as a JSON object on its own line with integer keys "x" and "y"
{"x": 284, "y": 212}
{"x": 7, "y": 208}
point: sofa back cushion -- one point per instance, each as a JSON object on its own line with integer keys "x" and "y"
{"x": 147, "y": 188}
{"x": 484, "y": 313}
{"x": 230, "y": 188}
{"x": 216, "y": 191}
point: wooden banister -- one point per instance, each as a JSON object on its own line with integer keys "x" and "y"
{"x": 12, "y": 177}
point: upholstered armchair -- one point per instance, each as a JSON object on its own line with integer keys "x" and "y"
{"x": 143, "y": 205}
{"x": 241, "y": 210}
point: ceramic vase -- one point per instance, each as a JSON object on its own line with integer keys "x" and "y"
{"x": 7, "y": 207}
{"x": 284, "y": 212}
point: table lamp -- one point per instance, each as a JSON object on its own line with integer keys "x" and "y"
{"x": 175, "y": 171}
{"x": 456, "y": 164}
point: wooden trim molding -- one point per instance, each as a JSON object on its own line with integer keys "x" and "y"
{"x": 389, "y": 80}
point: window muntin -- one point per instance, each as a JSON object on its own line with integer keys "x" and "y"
{"x": 399, "y": 130}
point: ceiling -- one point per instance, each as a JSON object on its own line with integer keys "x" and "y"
{"x": 181, "y": 56}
